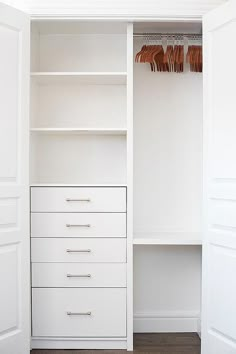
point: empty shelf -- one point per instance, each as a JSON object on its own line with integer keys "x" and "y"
{"x": 167, "y": 238}
{"x": 100, "y": 78}
{"x": 89, "y": 131}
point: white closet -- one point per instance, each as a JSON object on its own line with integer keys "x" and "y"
{"x": 80, "y": 156}
{"x": 102, "y": 192}
{"x": 79, "y": 184}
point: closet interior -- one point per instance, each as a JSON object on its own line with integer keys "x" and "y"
{"x": 109, "y": 130}
{"x": 167, "y": 186}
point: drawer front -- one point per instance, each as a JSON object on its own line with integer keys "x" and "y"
{"x": 78, "y": 199}
{"x": 78, "y": 250}
{"x": 79, "y": 312}
{"x": 78, "y": 225}
{"x": 46, "y": 275}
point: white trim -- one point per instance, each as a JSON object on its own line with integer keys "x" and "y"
{"x": 130, "y": 186}
{"x": 77, "y": 343}
{"x": 167, "y": 321}
{"x": 199, "y": 330}
{"x": 121, "y": 9}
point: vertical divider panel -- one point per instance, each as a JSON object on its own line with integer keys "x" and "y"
{"x": 130, "y": 186}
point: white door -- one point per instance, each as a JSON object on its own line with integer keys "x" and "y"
{"x": 219, "y": 249}
{"x": 14, "y": 195}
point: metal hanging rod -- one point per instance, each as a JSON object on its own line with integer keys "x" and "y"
{"x": 170, "y": 35}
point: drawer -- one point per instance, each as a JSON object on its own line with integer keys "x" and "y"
{"x": 78, "y": 250}
{"x": 46, "y": 275}
{"x": 78, "y": 199}
{"x": 79, "y": 312}
{"x": 78, "y": 225}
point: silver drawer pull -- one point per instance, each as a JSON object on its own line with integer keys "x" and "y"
{"x": 78, "y": 200}
{"x": 78, "y": 251}
{"x": 79, "y": 313}
{"x": 78, "y": 225}
{"x": 78, "y": 275}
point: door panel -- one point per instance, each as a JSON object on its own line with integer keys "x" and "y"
{"x": 219, "y": 246}
{"x": 14, "y": 198}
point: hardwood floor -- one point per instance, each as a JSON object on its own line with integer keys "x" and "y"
{"x": 145, "y": 343}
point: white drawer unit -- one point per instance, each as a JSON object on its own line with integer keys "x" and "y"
{"x": 78, "y": 255}
{"x": 46, "y": 275}
{"x": 78, "y": 225}
{"x": 78, "y": 250}
{"x": 78, "y": 199}
{"x": 79, "y": 312}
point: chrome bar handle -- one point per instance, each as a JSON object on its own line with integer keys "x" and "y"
{"x": 78, "y": 200}
{"x": 78, "y": 225}
{"x": 78, "y": 251}
{"x": 78, "y": 275}
{"x": 79, "y": 313}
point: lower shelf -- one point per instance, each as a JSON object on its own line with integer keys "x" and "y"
{"x": 168, "y": 238}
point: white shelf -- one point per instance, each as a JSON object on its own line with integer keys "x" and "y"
{"x": 75, "y": 185}
{"x": 82, "y": 131}
{"x": 100, "y": 78}
{"x": 168, "y": 238}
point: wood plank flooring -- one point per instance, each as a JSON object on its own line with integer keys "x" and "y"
{"x": 145, "y": 343}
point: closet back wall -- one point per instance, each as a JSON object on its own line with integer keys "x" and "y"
{"x": 167, "y": 197}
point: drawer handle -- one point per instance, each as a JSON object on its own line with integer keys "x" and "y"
{"x": 78, "y": 275}
{"x": 78, "y": 200}
{"x": 79, "y": 313}
{"x": 78, "y": 225}
{"x": 78, "y": 251}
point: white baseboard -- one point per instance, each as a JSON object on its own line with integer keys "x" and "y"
{"x": 75, "y": 343}
{"x": 171, "y": 321}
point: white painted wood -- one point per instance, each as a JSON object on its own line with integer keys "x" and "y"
{"x": 91, "y": 78}
{"x": 88, "y": 275}
{"x": 167, "y": 287}
{"x": 107, "y": 307}
{"x": 103, "y": 163}
{"x": 165, "y": 322}
{"x": 219, "y": 246}
{"x": 55, "y": 250}
{"x": 83, "y": 53}
{"x": 78, "y": 225}
{"x": 18, "y": 4}
{"x": 14, "y": 194}
{"x": 130, "y": 186}
{"x": 116, "y": 9}
{"x": 167, "y": 191}
{"x": 74, "y": 343}
{"x": 78, "y": 27}
{"x": 168, "y": 238}
{"x": 167, "y": 150}
{"x": 77, "y": 185}
{"x": 89, "y": 131}
{"x": 65, "y": 105}
{"x": 78, "y": 199}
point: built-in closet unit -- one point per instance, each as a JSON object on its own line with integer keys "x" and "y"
{"x": 101, "y": 211}
{"x": 116, "y": 165}
{"x": 78, "y": 173}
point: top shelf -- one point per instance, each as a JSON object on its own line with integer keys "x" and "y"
{"x": 90, "y": 78}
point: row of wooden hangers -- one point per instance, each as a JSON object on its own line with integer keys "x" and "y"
{"x": 171, "y": 56}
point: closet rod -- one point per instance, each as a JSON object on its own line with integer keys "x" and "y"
{"x": 159, "y": 34}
